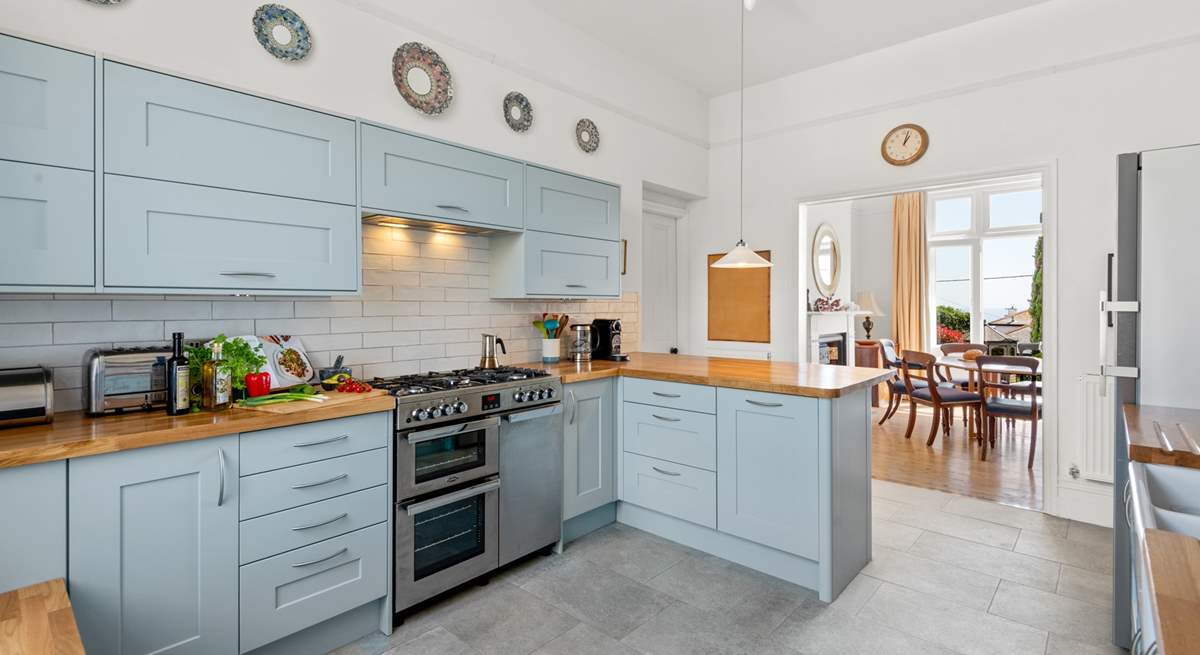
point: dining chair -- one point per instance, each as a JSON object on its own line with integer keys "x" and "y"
{"x": 957, "y": 377}
{"x": 940, "y": 398}
{"x": 1004, "y": 406}
{"x": 896, "y": 385}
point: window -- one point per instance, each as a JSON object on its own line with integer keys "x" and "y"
{"x": 981, "y": 256}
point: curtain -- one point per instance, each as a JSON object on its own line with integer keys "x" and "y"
{"x": 910, "y": 271}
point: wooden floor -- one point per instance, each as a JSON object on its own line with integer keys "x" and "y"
{"x": 953, "y": 464}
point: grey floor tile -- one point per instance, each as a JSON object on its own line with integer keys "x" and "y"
{"x": 882, "y": 508}
{"x": 583, "y": 639}
{"x": 950, "y": 625}
{"x": 856, "y": 594}
{"x": 1016, "y": 517}
{"x": 910, "y": 495}
{"x": 1081, "y": 584}
{"x": 954, "y": 525}
{"x": 970, "y": 588}
{"x": 529, "y": 568}
{"x": 1058, "y": 614}
{"x": 684, "y": 630}
{"x": 608, "y": 601}
{"x": 437, "y": 641}
{"x": 631, "y": 552}
{"x": 1082, "y": 554}
{"x": 892, "y": 534}
{"x": 504, "y": 620}
{"x": 1093, "y": 534}
{"x": 1026, "y": 569}
{"x": 1060, "y": 645}
{"x": 828, "y": 630}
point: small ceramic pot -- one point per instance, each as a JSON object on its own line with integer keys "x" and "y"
{"x": 551, "y": 349}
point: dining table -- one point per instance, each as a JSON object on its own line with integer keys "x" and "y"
{"x": 973, "y": 370}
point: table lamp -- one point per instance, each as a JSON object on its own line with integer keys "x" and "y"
{"x": 866, "y": 302}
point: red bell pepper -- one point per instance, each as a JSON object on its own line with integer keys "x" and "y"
{"x": 258, "y": 384}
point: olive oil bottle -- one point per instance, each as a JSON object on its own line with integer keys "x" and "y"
{"x": 179, "y": 388}
{"x": 216, "y": 382}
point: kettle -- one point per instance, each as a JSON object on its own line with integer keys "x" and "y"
{"x": 488, "y": 358}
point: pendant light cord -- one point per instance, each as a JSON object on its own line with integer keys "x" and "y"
{"x": 742, "y": 126}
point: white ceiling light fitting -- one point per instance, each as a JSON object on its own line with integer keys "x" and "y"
{"x": 742, "y": 256}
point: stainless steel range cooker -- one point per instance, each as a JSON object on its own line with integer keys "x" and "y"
{"x": 478, "y": 476}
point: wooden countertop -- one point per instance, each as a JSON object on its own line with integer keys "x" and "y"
{"x": 37, "y": 620}
{"x": 817, "y": 380}
{"x": 75, "y": 434}
{"x": 1174, "y": 561}
{"x": 1180, "y": 428}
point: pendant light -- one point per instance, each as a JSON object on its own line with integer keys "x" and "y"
{"x": 742, "y": 256}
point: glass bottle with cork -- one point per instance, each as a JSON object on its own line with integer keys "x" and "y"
{"x": 216, "y": 380}
{"x": 179, "y": 388}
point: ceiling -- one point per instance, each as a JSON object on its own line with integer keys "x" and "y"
{"x": 696, "y": 41}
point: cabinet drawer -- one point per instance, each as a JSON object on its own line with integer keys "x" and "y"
{"x": 673, "y": 489}
{"x": 408, "y": 175}
{"x": 283, "y": 531}
{"x": 48, "y": 217}
{"x": 566, "y": 266}
{"x": 278, "y": 448}
{"x": 167, "y": 235}
{"x": 167, "y": 128}
{"x": 691, "y": 397}
{"x": 292, "y": 591}
{"x": 673, "y": 435}
{"x": 565, "y": 204}
{"x": 299, "y": 485}
{"x": 47, "y": 103}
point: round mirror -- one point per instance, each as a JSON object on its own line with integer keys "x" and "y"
{"x": 419, "y": 81}
{"x": 826, "y": 260}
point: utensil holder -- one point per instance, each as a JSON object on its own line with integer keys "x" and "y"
{"x": 551, "y": 350}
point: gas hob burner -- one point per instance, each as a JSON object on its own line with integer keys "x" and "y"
{"x": 434, "y": 381}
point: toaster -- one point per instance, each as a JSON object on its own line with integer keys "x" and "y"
{"x": 123, "y": 379}
{"x": 26, "y": 396}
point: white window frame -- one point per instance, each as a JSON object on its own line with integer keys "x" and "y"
{"x": 973, "y": 237}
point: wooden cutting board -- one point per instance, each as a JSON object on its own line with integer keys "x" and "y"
{"x": 334, "y": 398}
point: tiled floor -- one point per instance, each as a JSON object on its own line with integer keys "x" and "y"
{"x": 951, "y": 574}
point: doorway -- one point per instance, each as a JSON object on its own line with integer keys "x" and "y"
{"x": 660, "y": 277}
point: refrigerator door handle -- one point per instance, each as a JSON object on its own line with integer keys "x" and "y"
{"x": 1106, "y": 308}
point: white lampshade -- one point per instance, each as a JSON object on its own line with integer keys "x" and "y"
{"x": 866, "y": 302}
{"x": 749, "y": 4}
{"x": 741, "y": 257}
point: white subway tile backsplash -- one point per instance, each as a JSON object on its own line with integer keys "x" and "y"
{"x": 42, "y": 311}
{"x": 313, "y": 342}
{"x": 209, "y": 329}
{"x": 26, "y": 334}
{"x": 419, "y": 293}
{"x": 469, "y": 321}
{"x": 252, "y": 309}
{"x": 300, "y": 326}
{"x": 376, "y": 292}
{"x": 443, "y": 308}
{"x": 361, "y": 324}
{"x": 479, "y": 255}
{"x": 468, "y": 295}
{"x": 367, "y": 356}
{"x": 394, "y": 308}
{"x": 444, "y": 336}
{"x": 328, "y": 308}
{"x": 52, "y": 356}
{"x": 441, "y": 251}
{"x": 160, "y": 310}
{"x": 419, "y": 264}
{"x": 391, "y": 369}
{"x": 467, "y": 268}
{"x": 374, "y": 339}
{"x": 419, "y": 322}
{"x": 443, "y": 280}
{"x": 100, "y": 331}
{"x": 390, "y": 247}
{"x": 418, "y": 352}
{"x": 376, "y": 262}
{"x": 392, "y": 278}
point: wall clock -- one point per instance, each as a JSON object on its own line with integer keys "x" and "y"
{"x": 905, "y": 144}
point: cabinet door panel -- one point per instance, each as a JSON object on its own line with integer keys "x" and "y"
{"x": 565, "y": 204}
{"x": 164, "y": 235}
{"x": 167, "y": 128}
{"x": 154, "y": 549}
{"x": 47, "y": 217}
{"x": 589, "y": 446}
{"x": 571, "y": 266}
{"x": 411, "y": 176}
{"x": 47, "y": 104}
{"x": 35, "y": 549}
{"x": 669, "y": 434}
{"x": 767, "y": 470}
{"x": 673, "y": 489}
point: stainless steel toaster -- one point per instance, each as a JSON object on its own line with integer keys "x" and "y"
{"x": 122, "y": 379}
{"x": 26, "y": 396}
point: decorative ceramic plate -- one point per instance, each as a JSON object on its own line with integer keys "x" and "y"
{"x": 105, "y": 2}
{"x": 422, "y": 78}
{"x": 282, "y": 32}
{"x": 587, "y": 135}
{"x": 518, "y": 113}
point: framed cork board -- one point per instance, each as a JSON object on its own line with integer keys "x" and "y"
{"x": 739, "y": 302}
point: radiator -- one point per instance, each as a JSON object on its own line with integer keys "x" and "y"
{"x": 1097, "y": 421}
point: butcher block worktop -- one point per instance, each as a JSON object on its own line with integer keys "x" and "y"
{"x": 1175, "y": 440}
{"x": 37, "y": 620}
{"x": 75, "y": 434}
{"x": 816, "y": 380}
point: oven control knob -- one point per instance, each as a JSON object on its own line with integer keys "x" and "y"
{"x": 460, "y": 407}
{"x": 435, "y": 412}
{"x": 541, "y": 394}
{"x": 446, "y": 409}
{"x": 518, "y": 396}
{"x": 419, "y": 415}
{"x": 550, "y": 393}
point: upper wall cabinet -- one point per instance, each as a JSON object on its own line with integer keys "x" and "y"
{"x": 541, "y": 265}
{"x": 163, "y": 127}
{"x": 565, "y": 204}
{"x": 47, "y": 217}
{"x": 47, "y": 96}
{"x": 410, "y": 176}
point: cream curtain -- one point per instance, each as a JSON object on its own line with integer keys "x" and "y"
{"x": 910, "y": 271}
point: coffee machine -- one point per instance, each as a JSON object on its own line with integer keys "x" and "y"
{"x": 607, "y": 340}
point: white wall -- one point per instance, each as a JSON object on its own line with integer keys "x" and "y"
{"x": 839, "y": 217}
{"x": 1068, "y": 84}
{"x": 872, "y": 219}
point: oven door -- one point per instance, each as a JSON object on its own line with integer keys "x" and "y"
{"x": 445, "y": 541}
{"x": 431, "y": 460}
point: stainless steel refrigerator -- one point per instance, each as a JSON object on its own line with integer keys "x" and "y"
{"x": 1150, "y": 314}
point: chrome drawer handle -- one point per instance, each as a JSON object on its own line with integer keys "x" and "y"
{"x": 247, "y": 274}
{"x": 221, "y": 475}
{"x": 670, "y": 473}
{"x": 575, "y": 286}
{"x": 666, "y": 418}
{"x": 323, "y": 559}
{"x": 665, "y": 395}
{"x": 762, "y": 404}
{"x": 455, "y": 208}
{"x": 335, "y": 478}
{"x": 322, "y": 442}
{"x": 317, "y": 525}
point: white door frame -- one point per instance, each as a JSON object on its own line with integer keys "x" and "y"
{"x": 682, "y": 279}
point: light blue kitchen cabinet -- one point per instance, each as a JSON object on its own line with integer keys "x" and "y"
{"x": 566, "y": 204}
{"x": 34, "y": 516}
{"x": 165, "y": 235}
{"x": 153, "y": 549}
{"x": 768, "y": 482}
{"x": 589, "y": 446}
{"x": 408, "y": 176}
{"x": 540, "y": 264}
{"x": 48, "y": 218}
{"x": 47, "y": 100}
{"x": 167, "y": 128}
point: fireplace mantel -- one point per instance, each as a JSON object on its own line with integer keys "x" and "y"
{"x": 830, "y": 323}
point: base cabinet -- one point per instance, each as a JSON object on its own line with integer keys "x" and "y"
{"x": 34, "y": 548}
{"x": 589, "y": 446}
{"x": 153, "y": 549}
